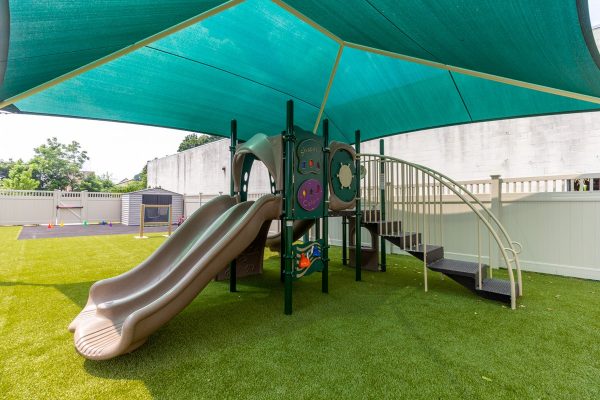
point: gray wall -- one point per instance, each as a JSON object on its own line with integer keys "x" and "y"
{"x": 203, "y": 169}
{"x": 552, "y": 145}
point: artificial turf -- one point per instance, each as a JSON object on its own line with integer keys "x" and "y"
{"x": 381, "y": 338}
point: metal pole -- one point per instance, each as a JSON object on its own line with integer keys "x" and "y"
{"x": 358, "y": 225}
{"x": 344, "y": 241}
{"x": 382, "y": 207}
{"x": 170, "y": 218}
{"x": 325, "y": 252}
{"x": 142, "y": 212}
{"x": 232, "y": 145}
{"x": 318, "y": 227}
{"x": 288, "y": 228}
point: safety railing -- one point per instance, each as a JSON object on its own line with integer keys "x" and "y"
{"x": 406, "y": 199}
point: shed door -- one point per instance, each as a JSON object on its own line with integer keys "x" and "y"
{"x": 157, "y": 214}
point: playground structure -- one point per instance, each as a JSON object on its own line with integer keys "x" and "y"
{"x": 156, "y": 219}
{"x": 310, "y": 176}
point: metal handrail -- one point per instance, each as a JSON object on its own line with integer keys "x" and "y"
{"x": 452, "y": 185}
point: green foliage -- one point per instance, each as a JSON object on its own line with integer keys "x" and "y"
{"x": 130, "y": 187}
{"x": 193, "y": 140}
{"x": 95, "y": 183}
{"x": 20, "y": 177}
{"x": 57, "y": 165}
{"x": 5, "y": 166}
{"x": 142, "y": 176}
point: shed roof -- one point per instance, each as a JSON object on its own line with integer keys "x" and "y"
{"x": 155, "y": 190}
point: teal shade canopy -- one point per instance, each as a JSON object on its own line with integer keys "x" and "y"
{"x": 381, "y": 66}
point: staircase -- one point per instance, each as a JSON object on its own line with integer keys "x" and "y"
{"x": 466, "y": 273}
{"x": 403, "y": 203}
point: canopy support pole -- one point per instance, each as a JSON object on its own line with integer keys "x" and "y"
{"x": 232, "y": 146}
{"x": 328, "y": 89}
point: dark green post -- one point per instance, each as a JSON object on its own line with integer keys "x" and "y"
{"x": 344, "y": 242}
{"x": 382, "y": 211}
{"x": 325, "y": 164}
{"x": 358, "y": 215}
{"x": 288, "y": 196}
{"x": 233, "y": 144}
{"x": 318, "y": 228}
{"x": 282, "y": 224}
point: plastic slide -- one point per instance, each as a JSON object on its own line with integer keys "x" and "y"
{"x": 123, "y": 311}
{"x": 301, "y": 226}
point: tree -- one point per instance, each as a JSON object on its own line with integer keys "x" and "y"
{"x": 133, "y": 186}
{"x": 20, "y": 177}
{"x": 142, "y": 176}
{"x": 193, "y": 140}
{"x": 95, "y": 183}
{"x": 57, "y": 165}
{"x": 5, "y": 166}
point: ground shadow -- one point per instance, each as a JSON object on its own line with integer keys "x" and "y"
{"x": 76, "y": 292}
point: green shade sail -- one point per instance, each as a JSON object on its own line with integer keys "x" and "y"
{"x": 381, "y": 66}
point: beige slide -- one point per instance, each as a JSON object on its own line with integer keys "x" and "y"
{"x": 123, "y": 311}
{"x": 301, "y": 226}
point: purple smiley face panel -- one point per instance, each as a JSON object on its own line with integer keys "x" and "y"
{"x": 310, "y": 194}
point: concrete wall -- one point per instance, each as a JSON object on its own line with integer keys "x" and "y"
{"x": 551, "y": 145}
{"x": 203, "y": 169}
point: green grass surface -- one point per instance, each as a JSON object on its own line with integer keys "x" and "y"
{"x": 379, "y": 338}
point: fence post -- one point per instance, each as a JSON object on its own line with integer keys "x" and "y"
{"x": 55, "y": 203}
{"x": 496, "y": 208}
{"x": 84, "y": 205}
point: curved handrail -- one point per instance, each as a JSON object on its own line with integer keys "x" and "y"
{"x": 440, "y": 178}
{"x": 490, "y": 215}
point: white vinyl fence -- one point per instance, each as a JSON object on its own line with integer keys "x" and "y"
{"x": 37, "y": 207}
{"x": 555, "y": 218}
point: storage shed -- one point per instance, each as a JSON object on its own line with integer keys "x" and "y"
{"x": 131, "y": 204}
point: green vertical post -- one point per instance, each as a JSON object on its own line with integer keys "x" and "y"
{"x": 358, "y": 215}
{"x": 232, "y": 146}
{"x": 317, "y": 228}
{"x": 344, "y": 241}
{"x": 288, "y": 196}
{"x": 282, "y": 223}
{"x": 382, "y": 211}
{"x": 325, "y": 252}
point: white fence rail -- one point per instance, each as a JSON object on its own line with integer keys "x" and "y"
{"x": 559, "y": 230}
{"x": 556, "y": 220}
{"x": 37, "y": 207}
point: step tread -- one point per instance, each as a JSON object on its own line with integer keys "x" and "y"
{"x": 464, "y": 268}
{"x": 498, "y": 286}
{"x": 396, "y": 235}
{"x": 421, "y": 248}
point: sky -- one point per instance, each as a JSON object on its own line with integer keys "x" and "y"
{"x": 121, "y": 150}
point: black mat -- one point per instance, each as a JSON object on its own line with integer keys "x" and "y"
{"x": 42, "y": 232}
